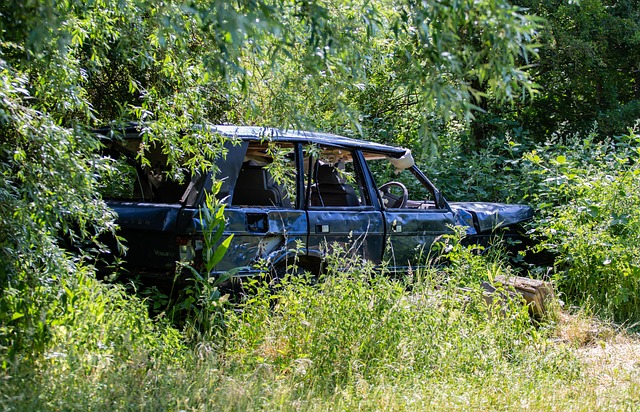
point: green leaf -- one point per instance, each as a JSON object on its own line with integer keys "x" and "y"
{"x": 16, "y": 315}
{"x": 219, "y": 253}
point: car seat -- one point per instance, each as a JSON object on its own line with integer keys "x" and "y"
{"x": 330, "y": 189}
{"x": 255, "y": 187}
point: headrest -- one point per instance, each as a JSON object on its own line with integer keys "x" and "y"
{"x": 328, "y": 174}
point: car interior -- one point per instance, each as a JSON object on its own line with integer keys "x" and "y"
{"x": 267, "y": 177}
{"x": 331, "y": 189}
{"x": 123, "y": 177}
{"x": 256, "y": 187}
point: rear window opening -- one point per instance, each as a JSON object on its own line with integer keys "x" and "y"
{"x": 120, "y": 176}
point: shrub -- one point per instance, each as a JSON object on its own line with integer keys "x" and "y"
{"x": 597, "y": 238}
{"x": 350, "y": 338}
{"x": 590, "y": 216}
{"x": 586, "y": 194}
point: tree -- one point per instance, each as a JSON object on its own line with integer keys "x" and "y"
{"x": 589, "y": 68}
{"x": 425, "y": 62}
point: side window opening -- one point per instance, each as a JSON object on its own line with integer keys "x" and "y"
{"x": 257, "y": 187}
{"x": 332, "y": 178}
{"x": 116, "y": 178}
{"x": 392, "y": 183}
{"x": 267, "y": 177}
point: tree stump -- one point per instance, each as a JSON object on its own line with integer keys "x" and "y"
{"x": 537, "y": 293}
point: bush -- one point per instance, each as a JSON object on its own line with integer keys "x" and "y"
{"x": 589, "y": 199}
{"x": 349, "y": 338}
{"x": 597, "y": 238}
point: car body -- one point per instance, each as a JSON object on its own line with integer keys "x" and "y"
{"x": 292, "y": 195}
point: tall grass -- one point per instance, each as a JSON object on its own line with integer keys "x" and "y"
{"x": 350, "y": 340}
{"x": 354, "y": 339}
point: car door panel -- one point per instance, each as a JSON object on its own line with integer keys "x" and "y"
{"x": 410, "y": 234}
{"x": 359, "y": 230}
{"x": 261, "y": 233}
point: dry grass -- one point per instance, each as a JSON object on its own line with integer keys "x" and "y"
{"x": 581, "y": 330}
{"x": 600, "y": 345}
{"x": 610, "y": 355}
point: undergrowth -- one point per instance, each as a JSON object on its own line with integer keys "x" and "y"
{"x": 353, "y": 338}
{"x": 587, "y": 195}
{"x": 358, "y": 325}
{"x": 589, "y": 201}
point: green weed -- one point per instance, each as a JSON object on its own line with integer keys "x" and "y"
{"x": 357, "y": 325}
{"x": 351, "y": 339}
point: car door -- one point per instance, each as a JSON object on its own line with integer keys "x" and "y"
{"x": 411, "y": 234}
{"x": 339, "y": 205}
{"x": 411, "y": 228}
{"x": 263, "y": 211}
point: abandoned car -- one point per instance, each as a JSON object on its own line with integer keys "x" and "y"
{"x": 288, "y": 194}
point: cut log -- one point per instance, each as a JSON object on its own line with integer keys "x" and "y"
{"x": 537, "y": 293}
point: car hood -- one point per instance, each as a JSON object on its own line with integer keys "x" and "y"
{"x": 485, "y": 217}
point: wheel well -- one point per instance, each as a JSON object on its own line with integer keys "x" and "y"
{"x": 311, "y": 264}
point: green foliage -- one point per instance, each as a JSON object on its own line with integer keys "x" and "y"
{"x": 212, "y": 217}
{"x": 494, "y": 173}
{"x": 586, "y": 72}
{"x": 350, "y": 338}
{"x": 588, "y": 67}
{"x": 591, "y": 220}
{"x": 46, "y": 193}
{"x": 101, "y": 321}
{"x": 102, "y": 350}
{"x": 585, "y": 191}
{"x": 389, "y": 69}
{"x": 69, "y": 66}
{"x": 598, "y": 237}
{"x": 468, "y": 265}
{"x": 116, "y": 178}
{"x": 200, "y": 305}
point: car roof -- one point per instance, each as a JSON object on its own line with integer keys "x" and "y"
{"x": 255, "y": 133}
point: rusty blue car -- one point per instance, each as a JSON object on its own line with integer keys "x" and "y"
{"x": 291, "y": 195}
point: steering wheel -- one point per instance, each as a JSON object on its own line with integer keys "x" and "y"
{"x": 393, "y": 200}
